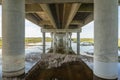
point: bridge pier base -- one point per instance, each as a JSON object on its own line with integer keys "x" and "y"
{"x": 106, "y": 39}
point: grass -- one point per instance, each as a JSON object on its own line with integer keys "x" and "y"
{"x": 119, "y": 43}
{"x": 30, "y": 40}
{"x": 90, "y": 40}
{"x": 48, "y": 39}
{"x": 36, "y": 40}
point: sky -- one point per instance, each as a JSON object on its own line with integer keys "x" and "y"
{"x": 32, "y": 30}
{"x": 87, "y": 30}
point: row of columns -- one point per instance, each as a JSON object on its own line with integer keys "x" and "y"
{"x": 56, "y": 41}
{"x": 106, "y": 39}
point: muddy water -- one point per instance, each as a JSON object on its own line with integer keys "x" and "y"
{"x": 64, "y": 67}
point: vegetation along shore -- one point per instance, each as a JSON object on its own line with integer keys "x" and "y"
{"x": 48, "y": 39}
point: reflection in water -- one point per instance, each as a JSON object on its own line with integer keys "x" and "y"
{"x": 34, "y": 52}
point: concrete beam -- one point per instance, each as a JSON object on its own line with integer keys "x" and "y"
{"x": 76, "y": 22}
{"x": 58, "y": 1}
{"x": 86, "y": 8}
{"x": 39, "y": 23}
{"x": 0, "y": 1}
{"x": 66, "y": 11}
{"x": 58, "y": 17}
{"x": 33, "y": 8}
{"x": 47, "y": 10}
{"x": 72, "y": 13}
{"x": 61, "y": 30}
{"x": 89, "y": 19}
{"x": 33, "y": 19}
{"x": 45, "y": 23}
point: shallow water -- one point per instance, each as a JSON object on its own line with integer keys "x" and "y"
{"x": 35, "y": 51}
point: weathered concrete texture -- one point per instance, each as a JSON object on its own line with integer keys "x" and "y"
{"x": 13, "y": 33}
{"x": 106, "y": 38}
{"x": 98, "y": 78}
{"x": 61, "y": 67}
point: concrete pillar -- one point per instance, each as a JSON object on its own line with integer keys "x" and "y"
{"x": 54, "y": 43}
{"x": 67, "y": 44}
{"x": 70, "y": 40}
{"x": 13, "y": 33}
{"x": 43, "y": 40}
{"x": 106, "y": 39}
{"x": 78, "y": 43}
{"x": 60, "y": 41}
{"x": 52, "y": 40}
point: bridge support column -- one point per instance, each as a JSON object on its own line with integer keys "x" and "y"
{"x": 43, "y": 40}
{"x": 70, "y": 40}
{"x": 52, "y": 40}
{"x": 106, "y": 40}
{"x": 67, "y": 43}
{"x": 60, "y": 40}
{"x": 54, "y": 43}
{"x": 78, "y": 43}
{"x": 13, "y": 33}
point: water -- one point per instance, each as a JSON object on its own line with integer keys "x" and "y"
{"x": 36, "y": 51}
{"x": 33, "y": 51}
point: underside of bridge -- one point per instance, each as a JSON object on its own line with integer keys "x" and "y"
{"x": 61, "y": 15}
{"x": 61, "y": 18}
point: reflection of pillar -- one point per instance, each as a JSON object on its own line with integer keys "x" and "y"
{"x": 13, "y": 33}
{"x": 106, "y": 40}
{"x": 43, "y": 42}
{"x": 78, "y": 43}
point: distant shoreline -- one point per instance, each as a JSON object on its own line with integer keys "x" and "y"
{"x": 29, "y": 40}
